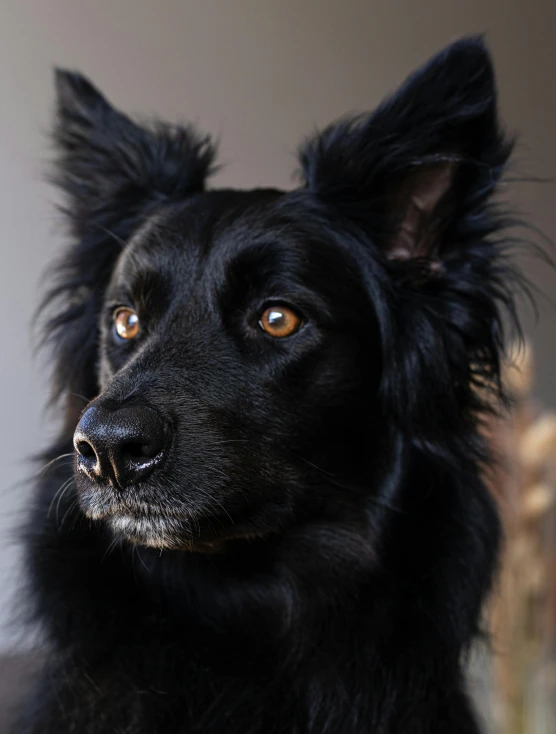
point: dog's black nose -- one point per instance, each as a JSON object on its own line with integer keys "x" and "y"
{"x": 122, "y": 446}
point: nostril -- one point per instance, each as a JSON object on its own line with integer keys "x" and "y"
{"x": 87, "y": 459}
{"x": 138, "y": 450}
{"x": 84, "y": 448}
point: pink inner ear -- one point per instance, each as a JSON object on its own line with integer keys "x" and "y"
{"x": 421, "y": 193}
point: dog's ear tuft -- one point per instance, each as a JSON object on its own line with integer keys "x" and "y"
{"x": 76, "y": 95}
{"x": 113, "y": 173}
{"x": 411, "y": 170}
{"x": 107, "y": 162}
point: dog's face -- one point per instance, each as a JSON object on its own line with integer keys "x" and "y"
{"x": 249, "y": 356}
{"x": 246, "y": 329}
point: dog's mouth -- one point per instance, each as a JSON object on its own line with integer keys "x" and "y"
{"x": 158, "y": 531}
{"x": 155, "y": 525}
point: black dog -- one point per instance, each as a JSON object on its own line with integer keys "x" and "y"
{"x": 276, "y": 521}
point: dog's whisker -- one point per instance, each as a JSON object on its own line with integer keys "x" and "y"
{"x": 78, "y": 395}
{"x": 50, "y": 463}
{"x": 70, "y": 509}
{"x": 137, "y": 554}
{"x": 69, "y": 484}
{"x": 335, "y": 482}
{"x": 229, "y": 440}
{"x": 111, "y": 547}
{"x": 212, "y": 504}
{"x": 123, "y": 244}
{"x": 62, "y": 489}
{"x": 76, "y": 517}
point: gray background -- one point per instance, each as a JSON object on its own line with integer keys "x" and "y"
{"x": 260, "y": 74}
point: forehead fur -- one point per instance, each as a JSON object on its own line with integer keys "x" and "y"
{"x": 242, "y": 239}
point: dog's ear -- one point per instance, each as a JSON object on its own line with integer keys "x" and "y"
{"x": 113, "y": 174}
{"x": 411, "y": 169}
{"x": 414, "y": 182}
{"x": 111, "y": 168}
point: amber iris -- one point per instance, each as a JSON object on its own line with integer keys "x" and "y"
{"x": 126, "y": 323}
{"x": 279, "y": 321}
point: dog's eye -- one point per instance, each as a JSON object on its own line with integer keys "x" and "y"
{"x": 126, "y": 323}
{"x": 279, "y": 321}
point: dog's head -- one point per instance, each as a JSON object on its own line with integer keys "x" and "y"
{"x": 251, "y": 359}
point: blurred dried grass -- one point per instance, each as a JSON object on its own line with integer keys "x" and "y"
{"x": 523, "y": 609}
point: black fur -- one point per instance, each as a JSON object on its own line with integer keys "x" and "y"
{"x": 323, "y": 539}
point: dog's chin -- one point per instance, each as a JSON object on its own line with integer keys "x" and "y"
{"x": 137, "y": 521}
{"x": 148, "y": 531}
{"x": 153, "y": 526}
{"x": 160, "y": 533}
